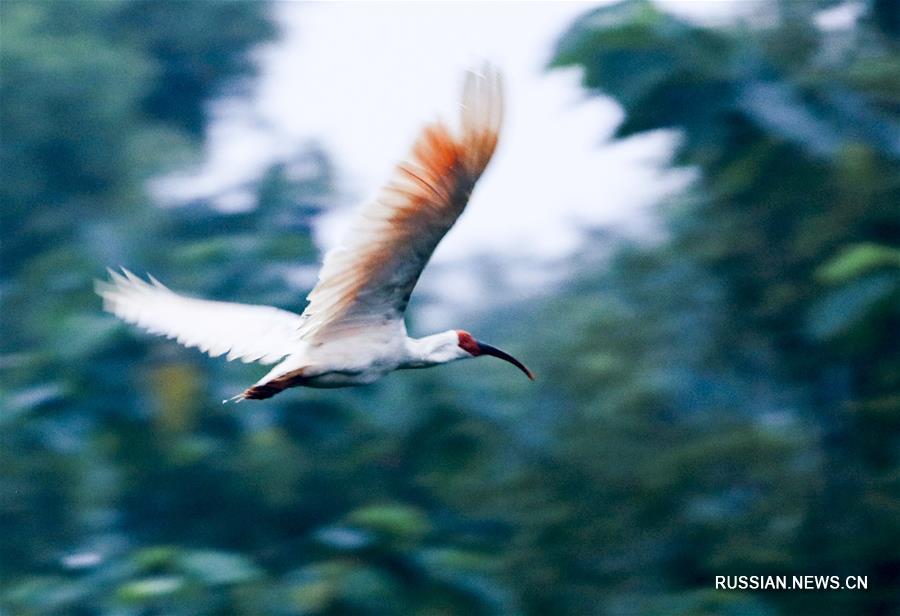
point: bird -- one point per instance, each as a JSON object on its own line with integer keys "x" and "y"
{"x": 352, "y": 331}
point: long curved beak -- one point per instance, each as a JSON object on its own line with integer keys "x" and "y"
{"x": 486, "y": 349}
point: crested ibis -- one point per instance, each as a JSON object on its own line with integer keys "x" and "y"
{"x": 352, "y": 331}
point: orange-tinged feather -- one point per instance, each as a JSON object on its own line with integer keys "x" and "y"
{"x": 367, "y": 281}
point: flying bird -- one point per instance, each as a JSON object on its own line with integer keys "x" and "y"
{"x": 352, "y": 331}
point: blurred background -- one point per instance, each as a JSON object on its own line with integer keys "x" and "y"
{"x": 690, "y": 232}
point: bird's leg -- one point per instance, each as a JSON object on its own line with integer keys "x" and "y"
{"x": 261, "y": 392}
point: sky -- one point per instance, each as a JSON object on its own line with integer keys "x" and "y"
{"x": 362, "y": 78}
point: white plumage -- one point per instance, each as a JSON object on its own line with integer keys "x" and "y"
{"x": 352, "y": 331}
{"x": 250, "y": 333}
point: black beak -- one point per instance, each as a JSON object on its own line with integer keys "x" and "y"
{"x": 486, "y": 349}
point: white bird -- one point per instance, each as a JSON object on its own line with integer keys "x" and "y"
{"x": 352, "y": 332}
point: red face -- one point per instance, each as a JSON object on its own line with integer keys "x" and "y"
{"x": 475, "y": 348}
{"x": 468, "y": 343}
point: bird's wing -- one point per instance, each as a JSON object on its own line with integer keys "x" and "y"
{"x": 367, "y": 281}
{"x": 252, "y": 333}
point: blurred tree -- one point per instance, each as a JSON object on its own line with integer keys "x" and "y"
{"x": 99, "y": 96}
{"x": 789, "y": 244}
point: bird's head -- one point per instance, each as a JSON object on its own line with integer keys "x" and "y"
{"x": 474, "y": 348}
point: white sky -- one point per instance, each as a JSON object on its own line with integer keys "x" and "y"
{"x": 362, "y": 78}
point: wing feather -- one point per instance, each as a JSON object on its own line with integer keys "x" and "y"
{"x": 367, "y": 281}
{"x": 251, "y": 333}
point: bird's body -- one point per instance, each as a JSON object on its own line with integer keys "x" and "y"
{"x": 364, "y": 360}
{"x": 352, "y": 331}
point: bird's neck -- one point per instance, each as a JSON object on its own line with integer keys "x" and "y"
{"x": 433, "y": 350}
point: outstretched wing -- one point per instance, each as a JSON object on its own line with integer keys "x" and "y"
{"x": 251, "y": 333}
{"x": 367, "y": 281}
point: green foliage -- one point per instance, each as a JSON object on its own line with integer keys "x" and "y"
{"x": 857, "y": 260}
{"x": 771, "y": 308}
